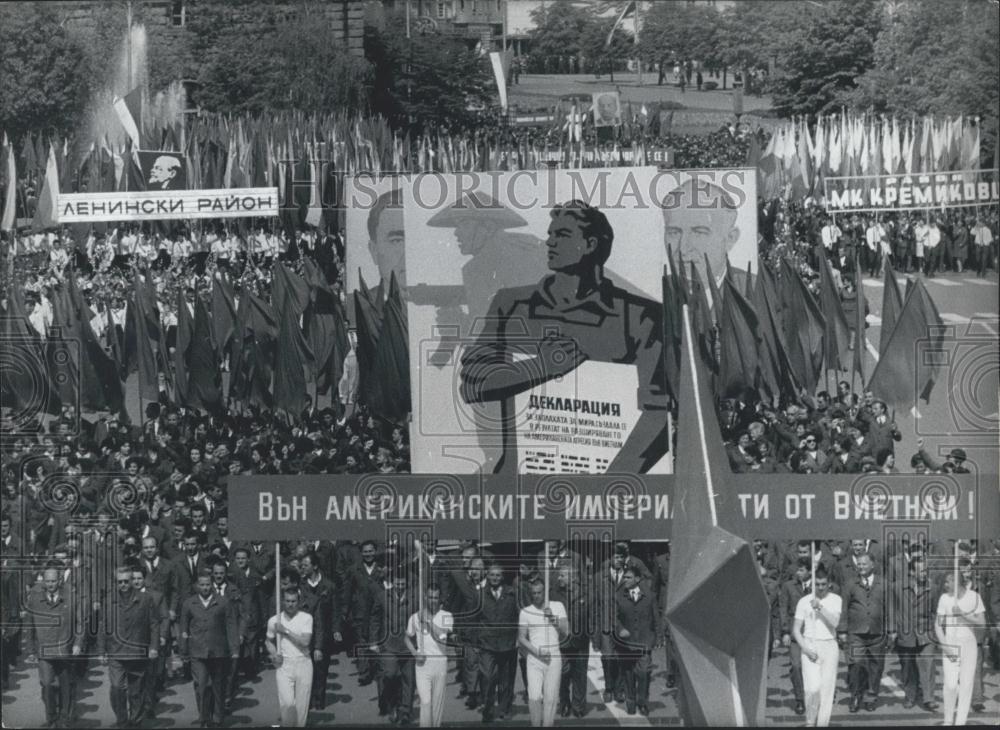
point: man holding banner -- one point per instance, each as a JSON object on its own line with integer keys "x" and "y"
{"x": 816, "y": 617}
{"x": 288, "y": 638}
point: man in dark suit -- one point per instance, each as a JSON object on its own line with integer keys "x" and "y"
{"x": 638, "y": 630}
{"x": 242, "y": 605}
{"x": 389, "y": 615}
{"x": 496, "y": 640}
{"x": 54, "y": 622}
{"x": 575, "y": 597}
{"x": 129, "y": 638}
{"x": 157, "y": 666}
{"x": 364, "y": 581}
{"x": 319, "y": 599}
{"x": 661, "y": 585}
{"x": 464, "y": 602}
{"x": 246, "y": 578}
{"x": 210, "y": 638}
{"x": 862, "y": 627}
{"x": 792, "y": 592}
{"x": 189, "y": 566}
{"x": 911, "y": 629}
{"x": 608, "y": 583}
{"x": 10, "y": 599}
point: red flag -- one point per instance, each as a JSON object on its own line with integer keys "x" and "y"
{"x": 902, "y": 374}
{"x": 859, "y": 322}
{"x": 223, "y": 312}
{"x": 837, "y": 333}
{"x": 294, "y": 363}
{"x": 892, "y": 305}
{"x": 738, "y": 343}
{"x": 804, "y": 325}
{"x": 185, "y": 331}
{"x": 204, "y": 385}
{"x": 94, "y": 377}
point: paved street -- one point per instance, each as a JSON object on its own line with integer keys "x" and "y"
{"x": 354, "y": 705}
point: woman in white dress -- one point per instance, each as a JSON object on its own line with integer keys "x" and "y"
{"x": 959, "y": 615}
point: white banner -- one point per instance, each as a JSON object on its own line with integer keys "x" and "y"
{"x": 167, "y": 205}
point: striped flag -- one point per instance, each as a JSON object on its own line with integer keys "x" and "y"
{"x": 46, "y": 215}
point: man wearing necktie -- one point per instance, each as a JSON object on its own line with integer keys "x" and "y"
{"x": 862, "y": 627}
{"x": 496, "y": 626}
{"x": 791, "y": 592}
{"x": 55, "y": 634}
{"x": 638, "y": 630}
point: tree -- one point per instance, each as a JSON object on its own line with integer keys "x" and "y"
{"x": 936, "y": 58}
{"x": 256, "y": 56}
{"x": 427, "y": 82}
{"x": 818, "y": 59}
{"x": 678, "y": 32}
{"x": 43, "y": 72}
{"x": 560, "y": 31}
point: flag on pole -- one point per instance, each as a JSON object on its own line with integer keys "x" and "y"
{"x": 900, "y": 376}
{"x": 45, "y": 210}
{"x": 500, "y": 61}
{"x": 129, "y": 111}
{"x": 10, "y": 199}
{"x": 628, "y": 10}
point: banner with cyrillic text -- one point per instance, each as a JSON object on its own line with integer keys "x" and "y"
{"x": 149, "y": 205}
{"x": 492, "y": 508}
{"x": 928, "y": 191}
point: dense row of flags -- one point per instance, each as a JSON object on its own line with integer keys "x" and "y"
{"x": 765, "y": 334}
{"x": 307, "y": 155}
{"x": 770, "y": 336}
{"x": 279, "y": 350}
{"x": 799, "y": 156}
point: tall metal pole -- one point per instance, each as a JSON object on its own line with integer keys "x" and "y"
{"x": 128, "y": 36}
{"x": 638, "y": 56}
{"x": 504, "y": 19}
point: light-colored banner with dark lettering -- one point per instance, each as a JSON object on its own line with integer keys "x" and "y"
{"x": 150, "y": 205}
{"x": 923, "y": 191}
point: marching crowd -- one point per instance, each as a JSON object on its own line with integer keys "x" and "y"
{"x": 116, "y": 544}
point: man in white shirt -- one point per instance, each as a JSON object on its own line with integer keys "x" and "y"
{"x": 288, "y": 638}
{"x": 874, "y": 242}
{"x": 815, "y": 630}
{"x": 932, "y": 251}
{"x": 427, "y": 635}
{"x": 38, "y": 318}
{"x": 830, "y": 234}
{"x": 982, "y": 238}
{"x": 541, "y": 628}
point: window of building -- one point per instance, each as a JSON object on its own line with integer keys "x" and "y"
{"x": 441, "y": 10}
{"x": 177, "y": 13}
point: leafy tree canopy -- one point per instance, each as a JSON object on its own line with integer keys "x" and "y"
{"x": 428, "y": 82}
{"x": 43, "y": 71}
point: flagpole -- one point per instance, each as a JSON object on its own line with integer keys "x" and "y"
{"x": 638, "y": 55}
{"x": 546, "y": 576}
{"x": 954, "y": 578}
{"x": 277, "y": 594}
{"x": 812, "y": 564}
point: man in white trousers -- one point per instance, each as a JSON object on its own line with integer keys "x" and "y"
{"x": 541, "y": 628}
{"x": 288, "y": 637}
{"x": 815, "y": 630}
{"x": 427, "y": 635}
